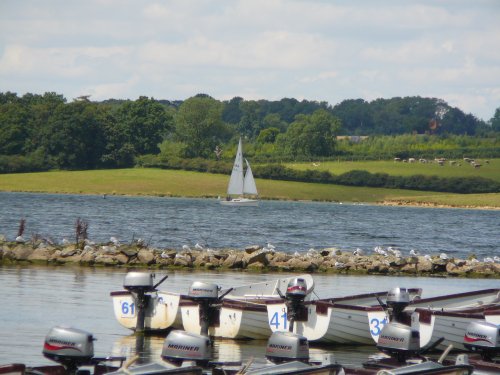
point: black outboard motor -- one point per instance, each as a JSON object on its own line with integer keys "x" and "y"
{"x": 397, "y": 300}
{"x": 69, "y": 346}
{"x": 484, "y": 338}
{"x": 287, "y": 346}
{"x": 295, "y": 294}
{"x": 180, "y": 346}
{"x": 140, "y": 283}
{"x": 399, "y": 340}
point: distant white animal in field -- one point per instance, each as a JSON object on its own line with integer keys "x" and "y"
{"x": 443, "y": 256}
{"x": 358, "y": 251}
{"x": 414, "y": 253}
{"x": 186, "y": 247}
{"x": 316, "y": 164}
{"x": 198, "y": 246}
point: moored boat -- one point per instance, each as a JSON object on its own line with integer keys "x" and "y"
{"x": 342, "y": 320}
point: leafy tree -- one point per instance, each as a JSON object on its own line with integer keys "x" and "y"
{"x": 495, "y": 120}
{"x": 268, "y": 135}
{"x": 312, "y": 135}
{"x": 250, "y": 123}
{"x": 199, "y": 126}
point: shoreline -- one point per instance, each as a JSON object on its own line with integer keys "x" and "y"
{"x": 251, "y": 259}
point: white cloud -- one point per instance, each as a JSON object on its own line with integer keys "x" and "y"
{"x": 269, "y": 49}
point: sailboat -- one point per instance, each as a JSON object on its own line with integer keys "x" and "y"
{"x": 240, "y": 183}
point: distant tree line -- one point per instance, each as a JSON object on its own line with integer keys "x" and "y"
{"x": 42, "y": 132}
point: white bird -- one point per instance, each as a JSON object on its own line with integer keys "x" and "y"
{"x": 443, "y": 256}
{"x": 19, "y": 239}
{"x": 358, "y": 251}
{"x": 198, "y": 246}
{"x": 114, "y": 240}
{"x": 496, "y": 259}
{"x": 312, "y": 253}
{"x": 488, "y": 260}
{"x": 87, "y": 248}
{"x": 65, "y": 241}
{"x": 339, "y": 265}
{"x": 270, "y": 246}
{"x": 180, "y": 256}
{"x": 296, "y": 254}
{"x": 164, "y": 255}
{"x": 379, "y": 250}
{"x": 414, "y": 252}
{"x": 427, "y": 256}
{"x": 186, "y": 247}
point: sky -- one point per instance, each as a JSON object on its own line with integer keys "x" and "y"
{"x": 255, "y": 49}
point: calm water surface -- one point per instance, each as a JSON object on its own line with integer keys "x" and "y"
{"x": 290, "y": 226}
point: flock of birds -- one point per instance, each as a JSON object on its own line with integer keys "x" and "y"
{"x": 311, "y": 253}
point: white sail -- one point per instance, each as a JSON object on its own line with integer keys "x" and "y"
{"x": 235, "y": 186}
{"x": 249, "y": 186}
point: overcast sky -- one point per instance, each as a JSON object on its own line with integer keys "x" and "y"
{"x": 256, "y": 49}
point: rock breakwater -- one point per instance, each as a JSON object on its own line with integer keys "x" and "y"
{"x": 252, "y": 258}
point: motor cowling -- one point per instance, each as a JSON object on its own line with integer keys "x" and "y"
{"x": 202, "y": 290}
{"x": 138, "y": 281}
{"x": 182, "y": 346}
{"x": 296, "y": 289}
{"x": 397, "y": 300}
{"x": 69, "y": 346}
{"x": 483, "y": 337}
{"x": 399, "y": 340}
{"x": 287, "y": 346}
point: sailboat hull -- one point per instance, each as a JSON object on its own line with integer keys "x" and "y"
{"x": 240, "y": 202}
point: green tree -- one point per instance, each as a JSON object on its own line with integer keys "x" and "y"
{"x": 312, "y": 135}
{"x": 495, "y": 121}
{"x": 199, "y": 126}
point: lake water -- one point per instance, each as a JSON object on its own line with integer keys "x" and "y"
{"x": 37, "y": 298}
{"x": 289, "y": 226}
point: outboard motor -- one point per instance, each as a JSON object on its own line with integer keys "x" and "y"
{"x": 287, "y": 346}
{"x": 140, "y": 283}
{"x": 397, "y": 300}
{"x": 484, "y": 338}
{"x": 295, "y": 295}
{"x": 69, "y": 346}
{"x": 399, "y": 340}
{"x": 180, "y": 346}
{"x": 207, "y": 296}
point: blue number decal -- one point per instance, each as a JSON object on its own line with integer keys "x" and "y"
{"x": 376, "y": 326}
{"x": 128, "y": 308}
{"x": 275, "y": 321}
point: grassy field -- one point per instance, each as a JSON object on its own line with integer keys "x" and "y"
{"x": 489, "y": 170}
{"x": 160, "y": 182}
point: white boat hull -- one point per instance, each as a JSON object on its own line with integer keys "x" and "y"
{"x": 240, "y": 202}
{"x": 162, "y": 311}
{"x": 347, "y": 320}
{"x": 236, "y": 320}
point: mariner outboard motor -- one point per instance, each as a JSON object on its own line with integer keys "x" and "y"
{"x": 295, "y": 295}
{"x": 397, "y": 300}
{"x": 287, "y": 346}
{"x": 180, "y": 346}
{"x": 69, "y": 346}
{"x": 483, "y": 338}
{"x": 399, "y": 340}
{"x": 139, "y": 284}
{"x": 207, "y": 296}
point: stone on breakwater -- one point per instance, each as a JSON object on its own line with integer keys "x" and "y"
{"x": 253, "y": 258}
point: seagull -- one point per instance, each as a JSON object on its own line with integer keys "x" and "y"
{"x": 164, "y": 255}
{"x": 488, "y": 260}
{"x": 272, "y": 247}
{"x": 19, "y": 239}
{"x": 379, "y": 250}
{"x": 358, "y": 251}
{"x": 443, "y": 256}
{"x": 186, "y": 247}
{"x": 114, "y": 240}
{"x": 87, "y": 248}
{"x": 496, "y": 259}
{"x": 339, "y": 265}
{"x": 65, "y": 241}
{"x": 427, "y": 256}
{"x": 198, "y": 246}
{"x": 296, "y": 254}
{"x": 414, "y": 252}
{"x": 311, "y": 252}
